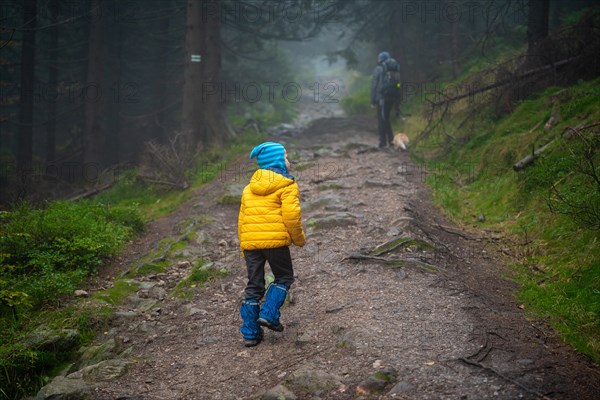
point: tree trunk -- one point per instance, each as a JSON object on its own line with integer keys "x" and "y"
{"x": 537, "y": 27}
{"x": 218, "y": 129}
{"x": 420, "y": 59}
{"x": 398, "y": 41}
{"x": 557, "y": 9}
{"x": 454, "y": 54}
{"x": 193, "y": 109}
{"x": 93, "y": 91}
{"x": 116, "y": 91}
{"x": 25, "y": 140}
{"x": 160, "y": 132}
{"x": 52, "y": 82}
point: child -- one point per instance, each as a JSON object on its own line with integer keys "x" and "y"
{"x": 269, "y": 222}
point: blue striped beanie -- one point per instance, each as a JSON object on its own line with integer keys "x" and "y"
{"x": 270, "y": 155}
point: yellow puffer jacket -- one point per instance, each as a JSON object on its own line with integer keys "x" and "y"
{"x": 270, "y": 212}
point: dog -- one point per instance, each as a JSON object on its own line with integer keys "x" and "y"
{"x": 400, "y": 141}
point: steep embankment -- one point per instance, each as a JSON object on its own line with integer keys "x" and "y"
{"x": 484, "y": 176}
{"x": 428, "y": 317}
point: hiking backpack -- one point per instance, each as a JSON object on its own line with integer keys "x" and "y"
{"x": 391, "y": 80}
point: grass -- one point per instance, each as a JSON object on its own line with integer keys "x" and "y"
{"x": 567, "y": 292}
{"x": 78, "y": 235}
{"x": 359, "y": 100}
{"x": 230, "y": 199}
{"x": 332, "y": 186}
{"x": 558, "y": 267}
{"x": 46, "y": 254}
{"x": 202, "y": 272}
{"x": 117, "y": 293}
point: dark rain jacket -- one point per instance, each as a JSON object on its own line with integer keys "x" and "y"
{"x": 377, "y": 80}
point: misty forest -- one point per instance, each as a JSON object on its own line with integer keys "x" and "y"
{"x": 447, "y": 155}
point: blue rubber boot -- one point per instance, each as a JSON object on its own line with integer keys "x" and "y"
{"x": 269, "y": 313}
{"x": 252, "y": 333}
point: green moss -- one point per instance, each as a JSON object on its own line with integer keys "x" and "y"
{"x": 312, "y": 223}
{"x": 202, "y": 272}
{"x": 229, "y": 199}
{"x": 178, "y": 246}
{"x": 118, "y": 293}
{"x": 149, "y": 269}
{"x": 383, "y": 376}
{"x": 332, "y": 186}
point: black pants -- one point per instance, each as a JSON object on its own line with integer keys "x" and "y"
{"x": 384, "y": 124}
{"x": 280, "y": 262}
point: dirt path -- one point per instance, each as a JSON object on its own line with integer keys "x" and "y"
{"x": 353, "y": 327}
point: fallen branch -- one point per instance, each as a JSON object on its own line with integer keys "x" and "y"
{"x": 506, "y": 378}
{"x": 457, "y": 233}
{"x": 179, "y": 185}
{"x": 91, "y": 192}
{"x": 321, "y": 180}
{"x": 568, "y": 133}
{"x": 504, "y": 82}
{"x": 528, "y": 160}
{"x": 335, "y": 309}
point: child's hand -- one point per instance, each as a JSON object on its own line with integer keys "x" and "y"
{"x": 301, "y": 242}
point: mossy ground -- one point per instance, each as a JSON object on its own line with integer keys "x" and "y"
{"x": 557, "y": 260}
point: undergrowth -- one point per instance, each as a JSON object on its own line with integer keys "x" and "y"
{"x": 47, "y": 253}
{"x": 358, "y": 102}
{"x": 550, "y": 210}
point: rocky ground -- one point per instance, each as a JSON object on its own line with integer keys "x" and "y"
{"x": 428, "y": 315}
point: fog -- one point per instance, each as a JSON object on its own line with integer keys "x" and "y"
{"x": 87, "y": 85}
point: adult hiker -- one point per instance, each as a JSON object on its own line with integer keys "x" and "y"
{"x": 385, "y": 93}
{"x": 269, "y": 222}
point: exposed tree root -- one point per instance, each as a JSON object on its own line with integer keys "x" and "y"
{"x": 397, "y": 262}
{"x": 506, "y": 378}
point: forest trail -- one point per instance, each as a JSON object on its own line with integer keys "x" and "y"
{"x": 443, "y": 324}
